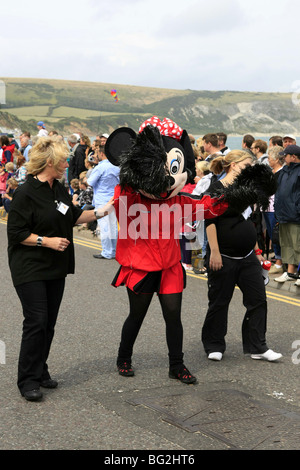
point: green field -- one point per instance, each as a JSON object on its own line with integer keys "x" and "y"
{"x": 29, "y": 112}
{"x": 69, "y": 106}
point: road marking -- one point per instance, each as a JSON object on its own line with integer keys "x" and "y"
{"x": 97, "y": 245}
{"x": 87, "y": 243}
{"x": 270, "y": 295}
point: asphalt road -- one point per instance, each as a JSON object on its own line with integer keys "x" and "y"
{"x": 238, "y": 403}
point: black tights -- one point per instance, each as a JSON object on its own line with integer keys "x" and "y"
{"x": 171, "y": 309}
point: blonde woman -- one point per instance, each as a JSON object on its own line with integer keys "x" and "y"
{"x": 233, "y": 258}
{"x": 41, "y": 255}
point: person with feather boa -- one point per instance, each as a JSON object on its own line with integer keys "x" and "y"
{"x": 150, "y": 208}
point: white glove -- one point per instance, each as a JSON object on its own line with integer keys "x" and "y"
{"x": 104, "y": 210}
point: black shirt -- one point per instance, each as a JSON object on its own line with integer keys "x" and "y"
{"x": 236, "y": 235}
{"x": 34, "y": 209}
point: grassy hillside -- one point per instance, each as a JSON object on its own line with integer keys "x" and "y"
{"x": 69, "y": 106}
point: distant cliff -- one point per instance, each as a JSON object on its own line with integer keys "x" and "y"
{"x": 70, "y": 106}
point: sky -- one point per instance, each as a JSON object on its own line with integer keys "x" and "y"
{"x": 238, "y": 45}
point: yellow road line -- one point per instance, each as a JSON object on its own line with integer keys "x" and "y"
{"x": 97, "y": 245}
{"x": 270, "y": 295}
{"x": 286, "y": 300}
{"x": 87, "y": 243}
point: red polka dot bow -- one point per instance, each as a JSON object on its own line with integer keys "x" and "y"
{"x": 166, "y": 127}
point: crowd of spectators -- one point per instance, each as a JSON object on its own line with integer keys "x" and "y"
{"x": 90, "y": 179}
{"x": 278, "y": 228}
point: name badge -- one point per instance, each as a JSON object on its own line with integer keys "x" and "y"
{"x": 63, "y": 208}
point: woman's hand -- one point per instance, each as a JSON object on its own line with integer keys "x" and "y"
{"x": 260, "y": 258}
{"x": 215, "y": 260}
{"x": 56, "y": 243}
{"x": 258, "y": 253}
{"x": 89, "y": 216}
{"x": 106, "y": 209}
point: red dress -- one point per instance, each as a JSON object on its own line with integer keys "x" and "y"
{"x": 148, "y": 247}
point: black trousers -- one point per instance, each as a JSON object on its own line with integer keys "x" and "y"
{"x": 246, "y": 274}
{"x": 171, "y": 309}
{"x": 40, "y": 301}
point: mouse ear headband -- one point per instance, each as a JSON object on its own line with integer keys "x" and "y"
{"x": 122, "y": 139}
{"x": 169, "y": 128}
{"x": 118, "y": 142}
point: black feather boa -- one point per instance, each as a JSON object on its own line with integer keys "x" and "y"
{"x": 143, "y": 166}
{"x": 254, "y": 185}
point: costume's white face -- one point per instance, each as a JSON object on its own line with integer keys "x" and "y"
{"x": 175, "y": 160}
{"x": 178, "y": 177}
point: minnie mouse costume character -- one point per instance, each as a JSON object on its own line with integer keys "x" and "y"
{"x": 154, "y": 167}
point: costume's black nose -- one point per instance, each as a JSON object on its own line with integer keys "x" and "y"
{"x": 172, "y": 181}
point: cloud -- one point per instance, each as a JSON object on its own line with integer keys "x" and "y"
{"x": 203, "y": 18}
{"x": 201, "y": 44}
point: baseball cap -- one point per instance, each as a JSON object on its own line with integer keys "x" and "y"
{"x": 289, "y": 136}
{"x": 41, "y": 123}
{"x": 105, "y": 135}
{"x": 291, "y": 150}
{"x": 78, "y": 137}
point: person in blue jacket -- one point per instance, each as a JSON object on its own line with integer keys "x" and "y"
{"x": 287, "y": 212}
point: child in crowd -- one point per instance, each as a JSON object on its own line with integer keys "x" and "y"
{"x": 3, "y": 180}
{"x": 12, "y": 185}
{"x": 74, "y": 183}
{"x": 85, "y": 198}
{"x": 21, "y": 171}
{"x": 202, "y": 169}
{"x": 10, "y": 168}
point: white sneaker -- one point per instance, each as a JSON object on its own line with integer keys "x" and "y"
{"x": 275, "y": 270}
{"x": 284, "y": 277}
{"x": 269, "y": 355}
{"x": 297, "y": 283}
{"x": 215, "y": 356}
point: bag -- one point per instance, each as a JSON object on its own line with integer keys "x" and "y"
{"x": 275, "y": 235}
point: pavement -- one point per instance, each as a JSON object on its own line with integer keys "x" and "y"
{"x": 237, "y": 404}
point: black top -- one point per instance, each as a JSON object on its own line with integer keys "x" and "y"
{"x": 236, "y": 235}
{"x": 34, "y": 209}
{"x": 76, "y": 164}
